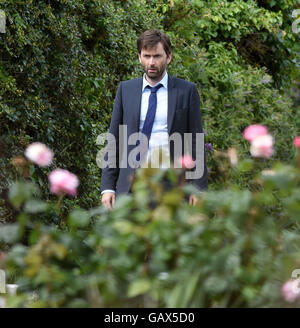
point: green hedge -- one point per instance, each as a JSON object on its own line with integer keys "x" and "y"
{"x": 61, "y": 62}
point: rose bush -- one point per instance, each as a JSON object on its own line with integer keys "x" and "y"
{"x": 235, "y": 248}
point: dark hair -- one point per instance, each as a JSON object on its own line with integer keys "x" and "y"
{"x": 151, "y": 38}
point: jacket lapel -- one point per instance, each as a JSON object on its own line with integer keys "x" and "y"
{"x": 136, "y": 104}
{"x": 172, "y": 98}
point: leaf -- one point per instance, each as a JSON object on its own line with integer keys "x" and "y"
{"x": 79, "y": 218}
{"x": 59, "y": 250}
{"x": 175, "y": 296}
{"x": 246, "y": 165}
{"x": 138, "y": 287}
{"x": 35, "y": 206}
{"x": 172, "y": 198}
{"x": 10, "y": 233}
{"x": 122, "y": 202}
{"x": 182, "y": 294}
{"x": 162, "y": 213}
{"x": 189, "y": 290}
{"x": 20, "y": 192}
{"x": 215, "y": 284}
{"x": 250, "y": 293}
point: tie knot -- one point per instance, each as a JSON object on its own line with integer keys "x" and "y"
{"x": 154, "y": 89}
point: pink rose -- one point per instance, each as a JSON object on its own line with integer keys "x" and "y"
{"x": 290, "y": 290}
{"x": 253, "y": 131}
{"x": 262, "y": 146}
{"x": 187, "y": 162}
{"x": 39, "y": 154}
{"x": 297, "y": 142}
{"x": 63, "y": 181}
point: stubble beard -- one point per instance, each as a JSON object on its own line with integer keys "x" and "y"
{"x": 157, "y": 76}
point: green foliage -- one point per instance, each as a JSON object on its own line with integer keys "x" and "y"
{"x": 243, "y": 56}
{"x": 233, "y": 249}
{"x": 61, "y": 61}
{"x": 60, "y": 64}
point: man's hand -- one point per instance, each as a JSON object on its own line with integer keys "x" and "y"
{"x": 193, "y": 199}
{"x": 108, "y": 200}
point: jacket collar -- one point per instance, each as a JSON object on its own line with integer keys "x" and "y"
{"x": 163, "y": 81}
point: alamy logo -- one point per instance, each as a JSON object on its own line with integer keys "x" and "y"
{"x": 2, "y": 21}
{"x": 114, "y": 154}
{"x": 296, "y": 23}
{"x": 2, "y": 281}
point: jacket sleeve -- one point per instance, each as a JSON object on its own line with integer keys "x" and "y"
{"x": 110, "y": 173}
{"x": 195, "y": 126}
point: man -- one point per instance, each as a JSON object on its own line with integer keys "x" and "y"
{"x": 156, "y": 105}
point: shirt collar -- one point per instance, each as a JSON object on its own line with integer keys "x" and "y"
{"x": 163, "y": 81}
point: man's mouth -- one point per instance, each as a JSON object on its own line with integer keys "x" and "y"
{"x": 151, "y": 70}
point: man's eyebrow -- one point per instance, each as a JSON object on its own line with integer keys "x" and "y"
{"x": 153, "y": 55}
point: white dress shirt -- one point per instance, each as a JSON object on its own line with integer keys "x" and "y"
{"x": 159, "y": 135}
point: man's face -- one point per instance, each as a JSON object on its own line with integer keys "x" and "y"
{"x": 154, "y": 61}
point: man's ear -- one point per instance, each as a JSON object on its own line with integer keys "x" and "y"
{"x": 139, "y": 57}
{"x": 169, "y": 58}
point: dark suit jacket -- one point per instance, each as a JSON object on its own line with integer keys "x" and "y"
{"x": 184, "y": 116}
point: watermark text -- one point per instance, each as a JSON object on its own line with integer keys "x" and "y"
{"x": 2, "y": 21}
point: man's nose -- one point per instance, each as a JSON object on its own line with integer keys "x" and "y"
{"x": 152, "y": 60}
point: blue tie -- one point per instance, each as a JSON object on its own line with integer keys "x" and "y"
{"x": 148, "y": 124}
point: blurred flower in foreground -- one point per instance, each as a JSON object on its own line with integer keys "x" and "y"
{"x": 262, "y": 146}
{"x": 232, "y": 155}
{"x": 297, "y": 142}
{"x": 19, "y": 161}
{"x": 253, "y": 131}
{"x": 208, "y": 147}
{"x": 290, "y": 290}
{"x": 63, "y": 181}
{"x": 39, "y": 154}
{"x": 187, "y": 162}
